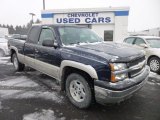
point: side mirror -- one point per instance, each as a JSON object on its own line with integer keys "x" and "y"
{"x": 55, "y": 44}
{"x": 48, "y": 43}
{"x": 143, "y": 45}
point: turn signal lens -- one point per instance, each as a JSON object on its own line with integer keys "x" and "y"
{"x": 113, "y": 78}
{"x": 112, "y": 67}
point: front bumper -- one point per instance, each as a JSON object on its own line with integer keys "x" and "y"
{"x": 120, "y": 91}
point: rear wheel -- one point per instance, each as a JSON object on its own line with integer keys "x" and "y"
{"x": 78, "y": 90}
{"x": 154, "y": 64}
{"x": 17, "y": 65}
{"x": 2, "y": 54}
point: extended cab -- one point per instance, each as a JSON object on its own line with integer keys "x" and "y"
{"x": 86, "y": 67}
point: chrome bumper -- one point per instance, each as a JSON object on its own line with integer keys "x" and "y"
{"x": 103, "y": 95}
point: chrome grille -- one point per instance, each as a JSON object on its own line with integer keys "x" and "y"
{"x": 137, "y": 67}
{"x": 135, "y": 62}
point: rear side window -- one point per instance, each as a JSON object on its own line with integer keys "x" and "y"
{"x": 129, "y": 40}
{"x": 34, "y": 34}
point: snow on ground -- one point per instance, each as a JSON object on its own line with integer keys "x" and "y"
{"x": 0, "y": 105}
{"x": 22, "y": 94}
{"x": 22, "y": 87}
{"x": 4, "y": 58}
{"x": 5, "y": 61}
{"x": 22, "y": 81}
{"x": 42, "y": 115}
{"x": 154, "y": 79}
{"x": 154, "y": 75}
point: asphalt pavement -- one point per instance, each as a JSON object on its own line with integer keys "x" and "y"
{"x": 31, "y": 95}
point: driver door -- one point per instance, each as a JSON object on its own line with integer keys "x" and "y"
{"x": 47, "y": 59}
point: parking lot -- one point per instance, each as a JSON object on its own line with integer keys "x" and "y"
{"x": 31, "y": 95}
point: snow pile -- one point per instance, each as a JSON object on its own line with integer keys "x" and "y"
{"x": 18, "y": 82}
{"x": 154, "y": 75}
{"x": 5, "y": 61}
{"x": 42, "y": 115}
{"x": 154, "y": 79}
{"x": 5, "y": 94}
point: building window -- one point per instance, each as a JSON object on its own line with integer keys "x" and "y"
{"x": 86, "y": 25}
{"x": 108, "y": 35}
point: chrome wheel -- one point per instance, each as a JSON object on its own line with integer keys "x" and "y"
{"x": 15, "y": 62}
{"x": 154, "y": 65}
{"x": 17, "y": 65}
{"x": 77, "y": 91}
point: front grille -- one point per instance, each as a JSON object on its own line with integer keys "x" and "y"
{"x": 137, "y": 61}
{"x": 136, "y": 72}
{"x": 137, "y": 67}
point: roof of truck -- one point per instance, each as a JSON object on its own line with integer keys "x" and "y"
{"x": 59, "y": 25}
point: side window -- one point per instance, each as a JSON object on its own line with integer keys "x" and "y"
{"x": 32, "y": 38}
{"x": 46, "y": 34}
{"x": 129, "y": 40}
{"x": 139, "y": 41}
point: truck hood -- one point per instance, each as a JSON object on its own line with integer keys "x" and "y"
{"x": 113, "y": 52}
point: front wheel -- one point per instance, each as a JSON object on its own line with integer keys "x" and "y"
{"x": 78, "y": 91}
{"x": 17, "y": 65}
{"x": 154, "y": 64}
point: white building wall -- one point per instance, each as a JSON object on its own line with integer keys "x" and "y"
{"x": 99, "y": 29}
{"x": 121, "y": 28}
{"x": 154, "y": 32}
{"x": 150, "y": 32}
{"x": 47, "y": 21}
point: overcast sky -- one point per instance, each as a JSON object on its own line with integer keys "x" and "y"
{"x": 144, "y": 14}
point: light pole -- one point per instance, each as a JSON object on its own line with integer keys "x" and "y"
{"x": 32, "y": 15}
{"x": 43, "y": 4}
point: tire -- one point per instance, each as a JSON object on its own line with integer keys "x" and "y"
{"x": 154, "y": 64}
{"x": 17, "y": 65}
{"x": 78, "y": 91}
{"x": 2, "y": 54}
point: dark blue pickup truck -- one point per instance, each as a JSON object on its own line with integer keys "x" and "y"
{"x": 87, "y": 68}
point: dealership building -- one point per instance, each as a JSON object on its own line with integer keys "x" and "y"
{"x": 109, "y": 23}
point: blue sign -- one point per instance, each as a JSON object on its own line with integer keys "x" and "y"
{"x": 83, "y": 18}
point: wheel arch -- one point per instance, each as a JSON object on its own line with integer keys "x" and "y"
{"x": 151, "y": 57}
{"x": 68, "y": 67}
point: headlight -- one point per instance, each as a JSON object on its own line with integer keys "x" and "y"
{"x": 121, "y": 76}
{"x": 115, "y": 74}
{"x": 118, "y": 66}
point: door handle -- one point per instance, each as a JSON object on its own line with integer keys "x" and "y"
{"x": 36, "y": 51}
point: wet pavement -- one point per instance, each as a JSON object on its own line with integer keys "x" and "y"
{"x": 31, "y": 95}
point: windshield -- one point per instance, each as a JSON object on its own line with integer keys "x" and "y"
{"x": 76, "y": 35}
{"x": 154, "y": 43}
